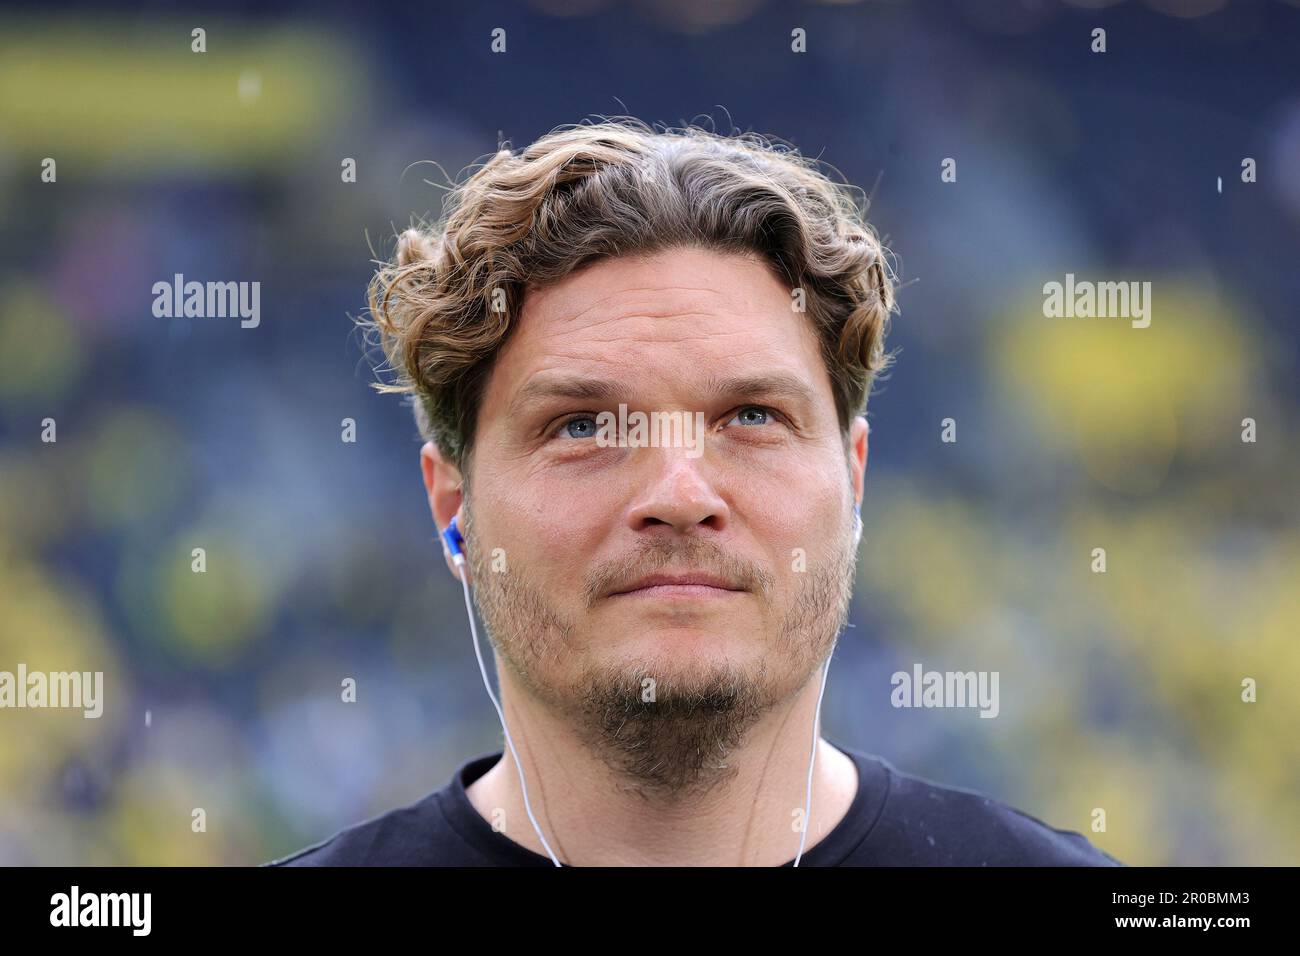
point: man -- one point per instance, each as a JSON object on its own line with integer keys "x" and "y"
{"x": 662, "y": 611}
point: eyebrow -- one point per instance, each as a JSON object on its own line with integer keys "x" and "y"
{"x": 756, "y": 386}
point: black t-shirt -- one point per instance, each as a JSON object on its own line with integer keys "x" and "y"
{"x": 896, "y": 819}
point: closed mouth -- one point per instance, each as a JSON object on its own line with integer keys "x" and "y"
{"x": 682, "y": 585}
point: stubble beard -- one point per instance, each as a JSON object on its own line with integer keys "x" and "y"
{"x": 669, "y": 740}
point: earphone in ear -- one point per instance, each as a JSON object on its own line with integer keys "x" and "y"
{"x": 452, "y": 541}
{"x": 857, "y": 524}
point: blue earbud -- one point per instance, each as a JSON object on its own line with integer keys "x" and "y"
{"x": 451, "y": 537}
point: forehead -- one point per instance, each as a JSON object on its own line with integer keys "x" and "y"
{"x": 673, "y": 320}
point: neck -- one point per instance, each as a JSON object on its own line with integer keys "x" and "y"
{"x": 594, "y": 813}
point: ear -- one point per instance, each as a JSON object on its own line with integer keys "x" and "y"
{"x": 858, "y": 433}
{"x": 442, "y": 485}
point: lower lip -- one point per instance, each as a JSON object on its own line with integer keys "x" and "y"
{"x": 675, "y": 591}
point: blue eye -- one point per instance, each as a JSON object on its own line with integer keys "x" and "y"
{"x": 753, "y": 408}
{"x": 567, "y": 429}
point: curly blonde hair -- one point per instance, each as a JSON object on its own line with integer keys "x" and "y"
{"x": 445, "y": 304}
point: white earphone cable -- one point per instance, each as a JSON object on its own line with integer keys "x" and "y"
{"x": 469, "y": 610}
{"x": 817, "y": 715}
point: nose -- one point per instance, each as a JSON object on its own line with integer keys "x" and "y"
{"x": 678, "y": 494}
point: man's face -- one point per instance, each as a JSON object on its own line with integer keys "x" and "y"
{"x": 766, "y": 508}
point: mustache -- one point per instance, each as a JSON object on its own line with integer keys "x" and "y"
{"x": 687, "y": 554}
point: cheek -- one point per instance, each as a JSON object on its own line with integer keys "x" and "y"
{"x": 556, "y": 540}
{"x": 805, "y": 512}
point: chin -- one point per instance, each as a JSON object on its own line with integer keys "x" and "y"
{"x": 683, "y": 655}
